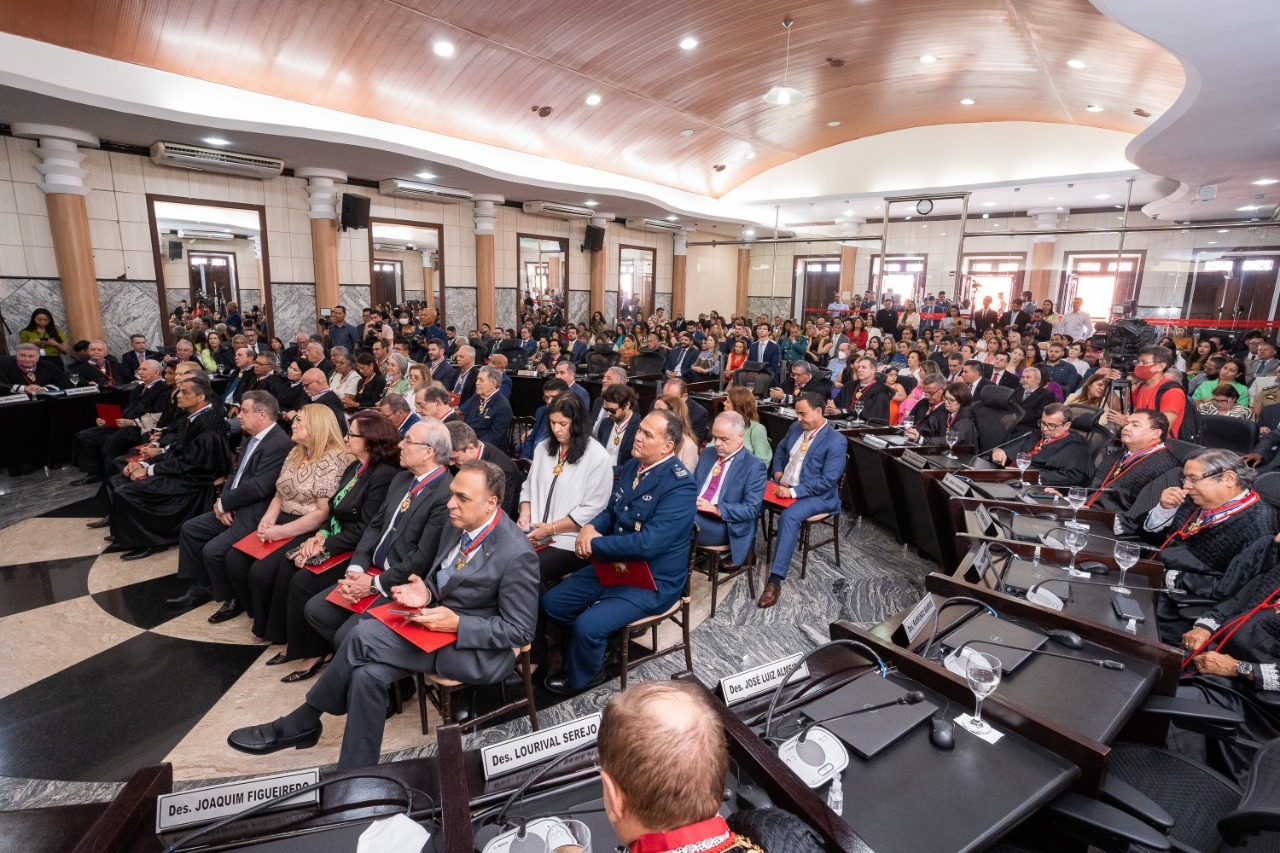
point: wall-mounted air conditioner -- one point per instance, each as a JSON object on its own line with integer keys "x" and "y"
{"x": 562, "y": 211}
{"x": 654, "y": 225}
{"x": 209, "y": 160}
{"x": 422, "y": 192}
{"x": 189, "y": 234}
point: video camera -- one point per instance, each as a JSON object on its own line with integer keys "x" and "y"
{"x": 1122, "y": 341}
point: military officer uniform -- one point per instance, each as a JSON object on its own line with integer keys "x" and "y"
{"x": 649, "y": 517}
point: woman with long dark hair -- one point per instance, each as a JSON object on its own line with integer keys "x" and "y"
{"x": 570, "y": 478}
{"x": 43, "y": 332}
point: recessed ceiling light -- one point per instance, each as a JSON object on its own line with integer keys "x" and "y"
{"x": 1249, "y": 207}
{"x": 443, "y": 48}
{"x": 1211, "y": 242}
{"x": 688, "y": 43}
{"x": 593, "y": 100}
{"x": 928, "y": 59}
{"x": 1102, "y": 196}
{"x": 986, "y": 216}
{"x": 750, "y": 232}
{"x": 426, "y": 176}
{"x": 848, "y": 213}
{"x": 216, "y": 140}
{"x": 908, "y": 216}
{"x": 968, "y": 102}
{"x": 988, "y": 204}
{"x": 1078, "y": 64}
{"x": 688, "y": 131}
{"x": 750, "y": 155}
{"x": 591, "y": 203}
{"x": 1266, "y": 182}
{"x": 672, "y": 218}
{"x": 995, "y": 224}
{"x": 1094, "y": 108}
{"x": 833, "y": 124}
{"x": 1059, "y": 207}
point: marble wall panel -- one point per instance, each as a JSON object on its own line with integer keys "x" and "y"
{"x": 20, "y": 296}
{"x": 293, "y": 309}
{"x": 354, "y": 297}
{"x": 250, "y": 298}
{"x": 611, "y": 306}
{"x": 505, "y": 307}
{"x": 663, "y": 301}
{"x": 129, "y": 308}
{"x": 579, "y": 306}
{"x": 770, "y": 305}
{"x": 460, "y": 308}
{"x": 174, "y": 295}
{"x": 415, "y": 295}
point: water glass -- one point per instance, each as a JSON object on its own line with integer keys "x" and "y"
{"x": 1024, "y": 462}
{"x": 1077, "y": 537}
{"x": 1126, "y": 554}
{"x": 982, "y": 671}
{"x": 952, "y": 438}
{"x": 1076, "y": 496}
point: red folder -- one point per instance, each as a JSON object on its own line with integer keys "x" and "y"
{"x": 455, "y": 400}
{"x": 771, "y": 495}
{"x": 330, "y": 563}
{"x": 625, "y": 573}
{"x": 360, "y": 606}
{"x": 256, "y": 548}
{"x": 110, "y": 413}
{"x": 423, "y": 638}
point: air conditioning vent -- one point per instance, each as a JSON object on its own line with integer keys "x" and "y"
{"x": 562, "y": 211}
{"x": 423, "y": 192}
{"x": 186, "y": 234}
{"x": 655, "y": 225}
{"x": 209, "y": 160}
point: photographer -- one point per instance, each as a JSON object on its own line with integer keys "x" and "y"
{"x": 1151, "y": 390}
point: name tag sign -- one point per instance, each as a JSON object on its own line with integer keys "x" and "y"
{"x": 985, "y": 521}
{"x": 203, "y": 805}
{"x": 13, "y": 398}
{"x": 874, "y": 441}
{"x": 915, "y": 622}
{"x": 526, "y": 373}
{"x": 955, "y": 485}
{"x": 81, "y": 392}
{"x": 760, "y": 679}
{"x": 915, "y": 460}
{"x": 534, "y": 748}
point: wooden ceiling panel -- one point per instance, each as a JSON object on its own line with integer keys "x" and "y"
{"x": 374, "y": 58}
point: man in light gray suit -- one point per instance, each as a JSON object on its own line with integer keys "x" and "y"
{"x": 484, "y": 588}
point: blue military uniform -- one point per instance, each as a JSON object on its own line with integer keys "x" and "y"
{"x": 649, "y": 520}
{"x": 817, "y": 490}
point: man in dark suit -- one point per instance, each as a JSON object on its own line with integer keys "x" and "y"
{"x": 26, "y": 372}
{"x": 985, "y": 317}
{"x": 1061, "y": 456}
{"x": 1032, "y": 399}
{"x": 319, "y": 393}
{"x": 1015, "y": 319}
{"x": 399, "y": 413}
{"x": 432, "y": 401}
{"x": 464, "y": 383}
{"x": 612, "y": 376}
{"x": 766, "y": 351}
{"x": 99, "y": 367}
{"x": 137, "y": 354}
{"x": 527, "y": 343}
{"x": 467, "y": 447}
{"x": 297, "y": 349}
{"x": 265, "y": 377}
{"x": 568, "y": 371}
{"x": 946, "y": 347}
{"x": 730, "y": 481}
{"x": 971, "y": 375}
{"x": 541, "y": 428}
{"x": 680, "y": 362}
{"x": 799, "y": 380}
{"x": 887, "y": 319}
{"x": 315, "y": 355}
{"x": 439, "y": 367}
{"x": 148, "y": 397}
{"x": 1001, "y": 374}
{"x": 488, "y": 411}
{"x": 574, "y": 348}
{"x": 865, "y": 388}
{"x": 617, "y": 432}
{"x": 1057, "y": 370}
{"x": 494, "y": 612}
{"x": 698, "y": 417}
{"x": 649, "y": 517}
{"x": 402, "y": 539}
{"x": 240, "y": 381}
{"x": 929, "y": 414}
{"x": 807, "y": 465}
{"x": 206, "y": 539}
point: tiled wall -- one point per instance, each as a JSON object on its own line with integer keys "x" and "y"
{"x": 128, "y": 307}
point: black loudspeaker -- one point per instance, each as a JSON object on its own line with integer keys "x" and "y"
{"x": 355, "y": 211}
{"x": 175, "y": 250}
{"x": 594, "y": 240}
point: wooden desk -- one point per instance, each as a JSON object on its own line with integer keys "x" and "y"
{"x": 963, "y": 520}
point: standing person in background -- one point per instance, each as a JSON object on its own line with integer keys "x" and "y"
{"x": 43, "y": 332}
{"x": 1077, "y": 323}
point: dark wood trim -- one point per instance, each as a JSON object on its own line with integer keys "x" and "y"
{"x": 564, "y": 249}
{"x": 796, "y": 259}
{"x": 441, "y": 315}
{"x": 134, "y": 805}
{"x": 959, "y": 506}
{"x": 267, "y": 306}
{"x": 647, "y": 298}
{"x": 1138, "y": 274}
{"x": 455, "y": 798}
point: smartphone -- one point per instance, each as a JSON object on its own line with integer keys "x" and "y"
{"x": 1126, "y": 608}
{"x": 402, "y": 612}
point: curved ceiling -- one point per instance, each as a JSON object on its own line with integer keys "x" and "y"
{"x": 375, "y": 58}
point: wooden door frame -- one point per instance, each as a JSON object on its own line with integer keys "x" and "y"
{"x": 235, "y": 267}
{"x": 1239, "y": 253}
{"x": 646, "y": 305}
{"x": 441, "y": 315}
{"x": 564, "y": 250}
{"x": 795, "y": 260}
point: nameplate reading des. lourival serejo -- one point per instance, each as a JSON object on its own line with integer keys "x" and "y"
{"x": 760, "y": 679}
{"x": 518, "y": 752}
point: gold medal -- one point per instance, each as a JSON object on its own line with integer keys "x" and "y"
{"x": 617, "y": 439}
{"x": 715, "y": 470}
{"x": 637, "y": 527}
{"x": 404, "y": 504}
{"x": 482, "y": 408}
{"x": 556, "y": 470}
{"x": 460, "y": 563}
{"x": 804, "y": 448}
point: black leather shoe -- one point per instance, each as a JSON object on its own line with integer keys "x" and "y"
{"x": 461, "y": 706}
{"x": 86, "y": 480}
{"x": 193, "y": 597}
{"x": 113, "y": 548}
{"x": 143, "y": 553}
{"x": 559, "y": 684}
{"x": 264, "y": 740}
{"x": 230, "y": 609}
{"x": 99, "y": 524}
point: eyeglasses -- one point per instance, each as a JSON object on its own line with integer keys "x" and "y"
{"x": 612, "y": 410}
{"x": 354, "y": 435}
{"x": 419, "y": 443}
{"x": 1191, "y": 479}
{"x": 1051, "y": 426}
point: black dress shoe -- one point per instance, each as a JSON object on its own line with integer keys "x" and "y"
{"x": 193, "y": 597}
{"x": 278, "y": 659}
{"x": 143, "y": 553}
{"x": 230, "y": 609}
{"x": 115, "y": 548}
{"x": 99, "y": 524}
{"x": 461, "y": 706}
{"x": 264, "y": 740}
{"x": 303, "y": 674}
{"x": 86, "y": 480}
{"x": 408, "y": 689}
{"x": 559, "y": 684}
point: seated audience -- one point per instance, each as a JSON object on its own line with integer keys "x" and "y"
{"x": 1126, "y": 470}
{"x": 731, "y": 485}
{"x": 1032, "y": 397}
{"x": 1231, "y": 375}
{"x": 699, "y": 420}
{"x": 487, "y": 411}
{"x": 265, "y": 377}
{"x": 1225, "y": 403}
{"x": 345, "y": 379}
{"x": 293, "y": 396}
{"x": 466, "y": 447}
{"x": 146, "y": 399}
{"x": 99, "y": 368}
{"x": 494, "y": 612}
{"x": 398, "y": 411}
{"x": 433, "y": 402}
{"x": 862, "y": 388}
{"x": 755, "y": 436}
{"x": 612, "y": 376}
{"x": 25, "y": 372}
{"x": 568, "y": 372}
{"x": 371, "y": 386}
{"x": 957, "y": 404}
{"x": 397, "y": 373}
{"x": 617, "y": 432}
{"x": 800, "y": 379}
{"x": 138, "y": 353}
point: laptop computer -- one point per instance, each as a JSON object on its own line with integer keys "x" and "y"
{"x": 869, "y": 733}
{"x": 997, "y": 491}
{"x": 997, "y": 632}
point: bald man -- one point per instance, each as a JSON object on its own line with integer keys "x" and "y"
{"x": 317, "y": 389}
{"x": 100, "y": 368}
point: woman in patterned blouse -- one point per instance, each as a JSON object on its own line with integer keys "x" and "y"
{"x": 309, "y": 477}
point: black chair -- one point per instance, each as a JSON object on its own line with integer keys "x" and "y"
{"x": 678, "y": 614}
{"x": 806, "y": 543}
{"x": 650, "y": 363}
{"x": 1227, "y": 433}
{"x": 1181, "y": 450}
{"x": 908, "y": 383}
{"x": 598, "y": 361}
{"x": 517, "y": 358}
{"x": 996, "y": 415}
{"x": 1082, "y": 417}
{"x": 1268, "y": 488}
{"x": 757, "y": 380}
{"x": 516, "y": 434}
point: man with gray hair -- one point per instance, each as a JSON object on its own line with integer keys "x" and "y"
{"x": 26, "y": 373}
{"x": 730, "y": 491}
{"x": 432, "y": 401}
{"x": 488, "y": 412}
{"x": 100, "y": 368}
{"x": 398, "y": 412}
{"x": 148, "y": 397}
{"x": 265, "y": 377}
{"x": 464, "y": 384}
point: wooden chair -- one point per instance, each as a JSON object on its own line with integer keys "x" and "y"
{"x": 825, "y": 519}
{"x": 711, "y": 559}
{"x": 677, "y": 613}
{"x": 440, "y": 691}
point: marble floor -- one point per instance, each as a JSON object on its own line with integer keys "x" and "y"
{"x": 101, "y": 677}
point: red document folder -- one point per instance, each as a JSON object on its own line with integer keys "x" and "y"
{"x": 110, "y": 413}
{"x": 455, "y": 400}
{"x": 360, "y": 606}
{"x": 330, "y": 563}
{"x": 423, "y": 638}
{"x": 625, "y": 573}
{"x": 771, "y": 495}
{"x": 256, "y": 548}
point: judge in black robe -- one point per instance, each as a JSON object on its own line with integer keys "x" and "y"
{"x": 1061, "y": 456}
{"x": 148, "y": 397}
{"x": 1131, "y": 477}
{"x": 862, "y": 386}
{"x": 148, "y": 511}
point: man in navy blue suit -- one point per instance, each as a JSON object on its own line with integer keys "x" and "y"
{"x": 574, "y": 348}
{"x": 807, "y": 466}
{"x": 731, "y": 484}
{"x": 441, "y": 370}
{"x": 488, "y": 412}
{"x": 649, "y": 517}
{"x": 680, "y": 362}
{"x": 541, "y": 429}
{"x": 617, "y": 432}
{"x": 527, "y": 343}
{"x": 568, "y": 371}
{"x": 765, "y": 350}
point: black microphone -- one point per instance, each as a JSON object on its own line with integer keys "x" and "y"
{"x": 1102, "y": 662}
{"x": 915, "y": 697}
{"x": 955, "y": 599}
{"x": 1092, "y": 535}
{"x": 1014, "y": 440}
{"x": 786, "y": 676}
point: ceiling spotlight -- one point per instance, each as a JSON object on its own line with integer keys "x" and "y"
{"x": 688, "y": 43}
{"x": 968, "y": 102}
{"x": 1094, "y": 108}
{"x": 928, "y": 59}
{"x": 995, "y": 224}
{"x": 1077, "y": 64}
{"x": 988, "y": 204}
{"x": 591, "y": 202}
{"x": 1059, "y": 207}
{"x": 1248, "y": 207}
{"x": 986, "y": 216}
{"x": 1102, "y": 196}
{"x": 833, "y": 124}
{"x": 1266, "y": 182}
{"x": 750, "y": 232}
{"x": 750, "y": 155}
{"x": 593, "y": 100}
{"x": 848, "y": 213}
{"x": 426, "y": 176}
{"x": 443, "y": 48}
{"x": 1223, "y": 230}
{"x": 784, "y": 95}
{"x": 719, "y": 167}
{"x": 216, "y": 140}
{"x": 687, "y": 132}
{"x": 1212, "y": 242}
{"x": 672, "y": 218}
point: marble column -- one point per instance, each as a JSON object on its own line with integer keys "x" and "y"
{"x": 744, "y": 277}
{"x": 486, "y": 219}
{"x": 1039, "y": 277}
{"x": 322, "y": 196}
{"x": 598, "y": 271}
{"x": 64, "y": 197}
{"x": 679, "y": 267}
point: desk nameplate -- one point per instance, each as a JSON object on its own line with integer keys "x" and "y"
{"x": 520, "y": 752}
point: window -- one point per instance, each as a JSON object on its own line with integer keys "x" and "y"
{"x": 997, "y": 276}
{"x": 1101, "y": 279}
{"x": 904, "y": 276}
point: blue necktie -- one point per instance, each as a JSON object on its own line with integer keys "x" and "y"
{"x": 448, "y": 570}
{"x": 244, "y": 460}
{"x": 384, "y": 547}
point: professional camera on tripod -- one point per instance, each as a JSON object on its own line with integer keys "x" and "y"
{"x": 1121, "y": 343}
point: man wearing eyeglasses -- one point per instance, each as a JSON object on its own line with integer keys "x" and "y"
{"x": 731, "y": 485}
{"x": 1125, "y": 471}
{"x": 1061, "y": 456}
{"x": 800, "y": 380}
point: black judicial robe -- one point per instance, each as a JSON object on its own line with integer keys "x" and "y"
{"x": 1124, "y": 491}
{"x": 1202, "y": 559}
{"x": 875, "y": 401}
{"x": 964, "y": 425}
{"x": 11, "y": 374}
{"x": 927, "y": 421}
{"x": 149, "y": 512}
{"x": 1065, "y": 462}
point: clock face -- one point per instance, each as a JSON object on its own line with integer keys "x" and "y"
{"x": 924, "y": 207}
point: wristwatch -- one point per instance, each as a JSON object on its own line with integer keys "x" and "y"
{"x": 1244, "y": 669}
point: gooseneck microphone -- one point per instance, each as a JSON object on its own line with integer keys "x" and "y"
{"x": 915, "y": 697}
{"x": 1102, "y": 662}
{"x": 786, "y": 676}
{"x": 955, "y": 599}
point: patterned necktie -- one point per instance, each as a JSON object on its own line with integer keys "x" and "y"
{"x": 717, "y": 472}
{"x": 244, "y": 460}
{"x": 448, "y": 570}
